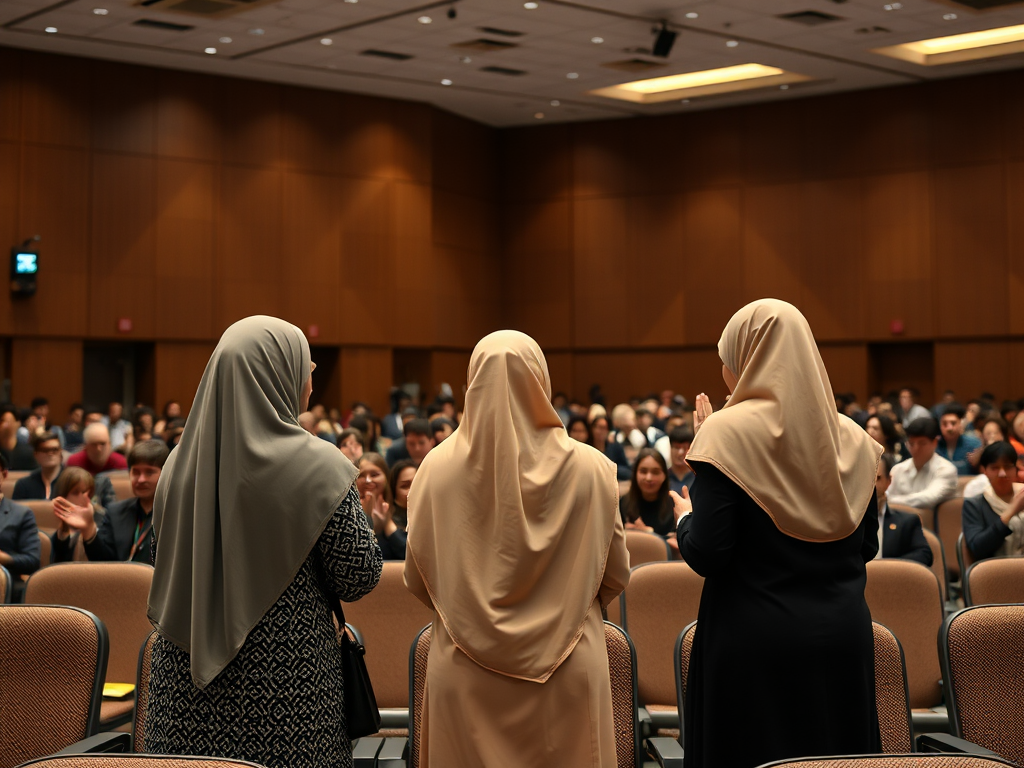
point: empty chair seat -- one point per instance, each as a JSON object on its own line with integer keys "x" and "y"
{"x": 6, "y": 586}
{"x": 142, "y": 693}
{"x": 938, "y": 562}
{"x": 964, "y": 556}
{"x": 948, "y": 526}
{"x": 927, "y": 515}
{"x": 646, "y": 547}
{"x": 45, "y": 550}
{"x": 121, "y": 482}
{"x": 7, "y": 486}
{"x": 994, "y": 580}
{"x": 51, "y": 679}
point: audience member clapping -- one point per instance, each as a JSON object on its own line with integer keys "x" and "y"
{"x": 17, "y": 454}
{"x": 375, "y": 494}
{"x": 350, "y": 443}
{"x": 39, "y": 484}
{"x": 400, "y": 479}
{"x": 98, "y": 455}
{"x": 899, "y": 533}
{"x": 993, "y": 523}
{"x": 19, "y": 536}
{"x": 78, "y": 488}
{"x": 925, "y": 480}
{"x": 647, "y": 506}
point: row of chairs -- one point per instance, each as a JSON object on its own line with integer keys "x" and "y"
{"x": 119, "y": 479}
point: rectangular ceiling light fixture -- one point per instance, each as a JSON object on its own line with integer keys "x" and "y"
{"x": 953, "y": 49}
{"x": 709, "y": 82}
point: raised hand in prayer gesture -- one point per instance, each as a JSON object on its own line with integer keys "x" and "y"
{"x": 681, "y": 504}
{"x": 71, "y": 517}
{"x": 701, "y": 410}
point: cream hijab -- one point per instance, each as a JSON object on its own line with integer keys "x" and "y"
{"x": 511, "y": 520}
{"x": 243, "y": 498}
{"x": 780, "y": 437}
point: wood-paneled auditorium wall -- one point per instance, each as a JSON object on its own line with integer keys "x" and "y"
{"x": 185, "y": 202}
{"x": 629, "y": 243}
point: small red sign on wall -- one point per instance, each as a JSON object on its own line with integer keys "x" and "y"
{"x": 313, "y": 331}
{"x": 124, "y": 324}
{"x": 896, "y": 327}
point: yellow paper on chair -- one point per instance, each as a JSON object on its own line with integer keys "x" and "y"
{"x": 118, "y": 690}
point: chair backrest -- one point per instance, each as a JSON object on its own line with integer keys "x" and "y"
{"x": 138, "y": 761}
{"x": 994, "y": 580}
{"x": 905, "y": 597}
{"x": 389, "y": 618}
{"x": 646, "y": 547}
{"x": 891, "y": 698}
{"x": 681, "y": 660}
{"x": 116, "y": 592}
{"x": 938, "y": 561}
{"x": 892, "y": 761}
{"x": 964, "y": 556}
{"x": 660, "y": 600}
{"x": 51, "y": 679}
{"x": 142, "y": 694}
{"x": 5, "y": 585}
{"x": 982, "y": 650}
{"x": 621, "y": 671}
{"x": 121, "y": 482}
{"x": 927, "y": 515}
{"x": 7, "y": 486}
{"x": 948, "y": 526}
{"x": 45, "y": 550}
{"x": 42, "y": 510}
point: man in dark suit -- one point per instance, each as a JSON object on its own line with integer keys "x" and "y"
{"x": 126, "y": 531}
{"x": 19, "y": 537}
{"x": 901, "y": 533}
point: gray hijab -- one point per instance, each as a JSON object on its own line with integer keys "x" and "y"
{"x": 243, "y": 498}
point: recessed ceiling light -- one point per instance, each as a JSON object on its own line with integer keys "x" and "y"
{"x": 446, "y": 81}
{"x": 326, "y": 41}
{"x": 703, "y": 83}
{"x": 424, "y": 19}
{"x": 949, "y": 16}
{"x": 539, "y": 115}
{"x": 892, "y": 6}
{"x": 573, "y": 75}
{"x": 352, "y": 1}
{"x": 731, "y": 43}
{"x": 783, "y": 87}
{"x": 685, "y": 101}
{"x": 465, "y": 59}
{"x": 952, "y": 49}
{"x": 556, "y": 103}
{"x": 225, "y": 39}
{"x": 256, "y": 31}
{"x": 692, "y": 15}
{"x": 210, "y": 51}
{"x": 597, "y": 40}
{"x": 100, "y": 11}
{"x": 530, "y": 6}
{"x": 51, "y": 30}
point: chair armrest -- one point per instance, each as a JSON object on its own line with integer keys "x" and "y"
{"x": 100, "y": 742}
{"x": 394, "y": 718}
{"x": 665, "y": 751}
{"x": 364, "y": 751}
{"x": 644, "y": 718}
{"x": 943, "y": 742}
{"x": 392, "y": 753}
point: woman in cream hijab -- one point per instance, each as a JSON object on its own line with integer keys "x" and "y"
{"x": 257, "y": 522}
{"x": 783, "y": 521}
{"x": 515, "y": 542}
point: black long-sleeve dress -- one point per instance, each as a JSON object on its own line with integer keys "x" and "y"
{"x": 783, "y": 657}
{"x": 279, "y": 703}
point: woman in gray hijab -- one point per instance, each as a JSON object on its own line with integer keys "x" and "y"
{"x": 256, "y": 522}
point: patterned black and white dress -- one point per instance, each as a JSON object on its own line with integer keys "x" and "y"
{"x": 279, "y": 702}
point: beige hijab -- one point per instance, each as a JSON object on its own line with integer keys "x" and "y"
{"x": 510, "y": 519}
{"x": 243, "y": 498}
{"x": 780, "y": 437}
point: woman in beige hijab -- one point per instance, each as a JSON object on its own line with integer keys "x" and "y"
{"x": 783, "y": 521}
{"x": 515, "y": 542}
{"x": 257, "y": 523}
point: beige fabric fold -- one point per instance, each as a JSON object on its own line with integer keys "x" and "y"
{"x": 780, "y": 437}
{"x": 511, "y": 520}
{"x": 243, "y": 498}
{"x": 1014, "y": 544}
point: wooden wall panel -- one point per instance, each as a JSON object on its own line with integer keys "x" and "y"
{"x": 410, "y": 128}
{"x": 366, "y": 375}
{"x": 125, "y": 108}
{"x": 656, "y": 259}
{"x": 623, "y": 375}
{"x": 178, "y": 370}
{"x": 1015, "y": 216}
{"x": 46, "y": 368}
{"x": 186, "y": 195}
{"x": 122, "y": 274}
{"x": 711, "y": 274}
{"x": 607, "y": 283}
{"x": 966, "y": 119}
{"x": 188, "y": 116}
{"x": 772, "y": 233}
{"x": 536, "y": 163}
{"x": 895, "y": 138}
{"x": 970, "y": 235}
{"x": 309, "y": 120}
{"x": 9, "y": 167}
{"x": 450, "y": 368}
{"x": 970, "y": 368}
{"x": 251, "y": 117}
{"x": 368, "y": 275}
{"x": 414, "y": 265}
{"x": 466, "y": 296}
{"x": 56, "y": 98}
{"x": 602, "y": 158}
{"x": 464, "y": 157}
{"x": 847, "y": 367}
{"x": 1016, "y": 370}
{"x": 561, "y": 371}
{"x": 10, "y": 95}
{"x": 364, "y": 146}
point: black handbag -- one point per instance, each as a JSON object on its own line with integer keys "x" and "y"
{"x": 362, "y": 717}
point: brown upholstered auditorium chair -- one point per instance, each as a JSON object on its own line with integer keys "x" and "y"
{"x": 964, "y": 556}
{"x": 137, "y": 761}
{"x": 643, "y": 548}
{"x": 948, "y": 527}
{"x": 119, "y": 594}
{"x": 994, "y": 580}
{"x": 906, "y": 597}
{"x": 7, "y": 486}
{"x": 389, "y": 619}
{"x": 142, "y": 694}
{"x": 122, "y": 484}
{"x": 893, "y": 761}
{"x": 653, "y": 623}
{"x": 982, "y": 651}
{"x": 938, "y": 562}
{"x": 927, "y": 515}
{"x": 961, "y": 483}
{"x": 5, "y": 585}
{"x": 43, "y": 512}
{"x": 622, "y": 671}
{"x": 51, "y": 679}
{"x": 45, "y": 550}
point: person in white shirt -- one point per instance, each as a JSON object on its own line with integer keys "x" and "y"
{"x": 925, "y": 480}
{"x": 911, "y": 411}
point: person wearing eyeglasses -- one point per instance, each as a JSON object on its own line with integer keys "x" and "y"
{"x": 39, "y": 484}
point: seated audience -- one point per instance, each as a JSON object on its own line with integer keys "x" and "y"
{"x": 126, "y": 531}
{"x": 925, "y": 480}
{"x": 368, "y": 427}
{"x": 948, "y": 399}
{"x": 400, "y": 480}
{"x": 78, "y": 487}
{"x": 374, "y": 492}
{"x": 172, "y": 411}
{"x": 910, "y": 410}
{"x": 418, "y": 440}
{"x": 599, "y": 431}
{"x": 560, "y": 402}
{"x": 442, "y": 427}
{"x": 883, "y": 430}
{"x": 1009, "y": 410}
{"x": 993, "y": 430}
{"x": 392, "y": 424}
{"x": 350, "y": 442}
{"x": 73, "y": 439}
{"x": 19, "y": 537}
{"x": 900, "y": 533}
{"x": 17, "y": 454}
{"x": 1017, "y": 433}
{"x": 41, "y": 408}
{"x": 960, "y": 449}
{"x": 119, "y": 426}
{"x": 679, "y": 473}
{"x": 972, "y": 414}
{"x": 993, "y": 523}
{"x": 579, "y": 430}
{"x": 172, "y": 433}
{"x": 645, "y": 426}
{"x": 97, "y": 456}
{"x": 40, "y": 483}
{"x": 647, "y": 506}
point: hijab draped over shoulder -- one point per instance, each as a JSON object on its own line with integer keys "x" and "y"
{"x": 780, "y": 437}
{"x": 511, "y": 520}
{"x": 243, "y": 498}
